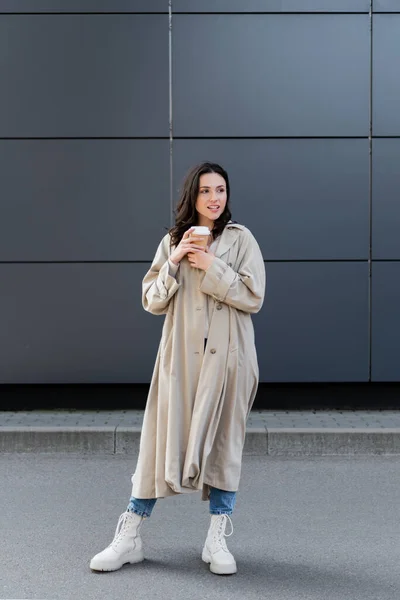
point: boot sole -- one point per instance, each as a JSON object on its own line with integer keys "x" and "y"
{"x": 230, "y": 569}
{"x": 139, "y": 557}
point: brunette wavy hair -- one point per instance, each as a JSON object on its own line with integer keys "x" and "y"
{"x": 186, "y": 214}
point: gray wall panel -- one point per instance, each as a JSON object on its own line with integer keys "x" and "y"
{"x": 83, "y": 199}
{"x": 75, "y": 323}
{"x": 386, "y": 82}
{"x": 103, "y": 195}
{"x": 314, "y": 324}
{"x": 71, "y": 6}
{"x": 249, "y": 81}
{"x": 303, "y": 199}
{"x": 84, "y": 75}
{"x": 228, "y": 6}
{"x": 386, "y": 5}
{"x": 385, "y": 198}
{"x": 385, "y": 321}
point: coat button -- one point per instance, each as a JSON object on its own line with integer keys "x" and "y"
{"x": 213, "y": 350}
{"x": 219, "y": 306}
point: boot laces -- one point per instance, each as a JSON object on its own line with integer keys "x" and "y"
{"x": 121, "y": 530}
{"x": 219, "y": 534}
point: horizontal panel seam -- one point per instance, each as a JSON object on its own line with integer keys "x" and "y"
{"x": 199, "y": 13}
{"x": 266, "y": 260}
{"x": 273, "y": 12}
{"x": 62, "y": 138}
{"x": 176, "y": 137}
{"x": 60, "y": 13}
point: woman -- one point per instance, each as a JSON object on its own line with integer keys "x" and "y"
{"x": 206, "y": 372}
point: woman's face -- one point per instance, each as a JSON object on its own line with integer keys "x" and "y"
{"x": 211, "y": 199}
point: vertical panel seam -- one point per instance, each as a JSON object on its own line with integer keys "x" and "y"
{"x": 370, "y": 196}
{"x": 171, "y": 208}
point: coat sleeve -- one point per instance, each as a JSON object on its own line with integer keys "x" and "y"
{"x": 244, "y": 289}
{"x": 160, "y": 282}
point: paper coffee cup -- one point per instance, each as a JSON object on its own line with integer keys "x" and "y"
{"x": 200, "y": 234}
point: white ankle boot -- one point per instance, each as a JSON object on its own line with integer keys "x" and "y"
{"x": 215, "y": 551}
{"x": 126, "y": 546}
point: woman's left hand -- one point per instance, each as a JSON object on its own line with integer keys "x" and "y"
{"x": 200, "y": 259}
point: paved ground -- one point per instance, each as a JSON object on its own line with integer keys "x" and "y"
{"x": 304, "y": 529}
{"x": 274, "y": 433}
{"x": 262, "y": 418}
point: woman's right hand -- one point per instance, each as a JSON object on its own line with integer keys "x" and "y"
{"x": 185, "y": 246}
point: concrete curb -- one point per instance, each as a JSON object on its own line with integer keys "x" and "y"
{"x": 256, "y": 442}
{"x": 85, "y": 440}
{"x": 127, "y": 440}
{"x": 262, "y": 441}
{"x": 333, "y": 442}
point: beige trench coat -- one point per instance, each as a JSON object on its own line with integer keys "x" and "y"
{"x": 199, "y": 400}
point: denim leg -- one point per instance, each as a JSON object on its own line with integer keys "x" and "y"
{"x": 221, "y": 502}
{"x": 141, "y": 507}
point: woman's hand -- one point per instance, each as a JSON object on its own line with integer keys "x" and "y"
{"x": 185, "y": 245}
{"x": 201, "y": 259}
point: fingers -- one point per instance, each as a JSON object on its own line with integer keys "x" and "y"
{"x": 191, "y": 250}
{"x": 194, "y": 248}
{"x": 186, "y": 244}
{"x": 192, "y": 258}
{"x": 187, "y": 233}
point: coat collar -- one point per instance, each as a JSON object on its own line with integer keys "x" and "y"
{"x": 228, "y": 237}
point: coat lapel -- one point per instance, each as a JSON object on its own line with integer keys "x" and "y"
{"x": 228, "y": 237}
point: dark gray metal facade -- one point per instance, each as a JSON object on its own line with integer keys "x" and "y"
{"x": 298, "y": 99}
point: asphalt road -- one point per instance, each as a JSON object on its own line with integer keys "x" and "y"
{"x": 320, "y": 528}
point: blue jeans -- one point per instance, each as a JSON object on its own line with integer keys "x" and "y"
{"x": 221, "y": 503}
